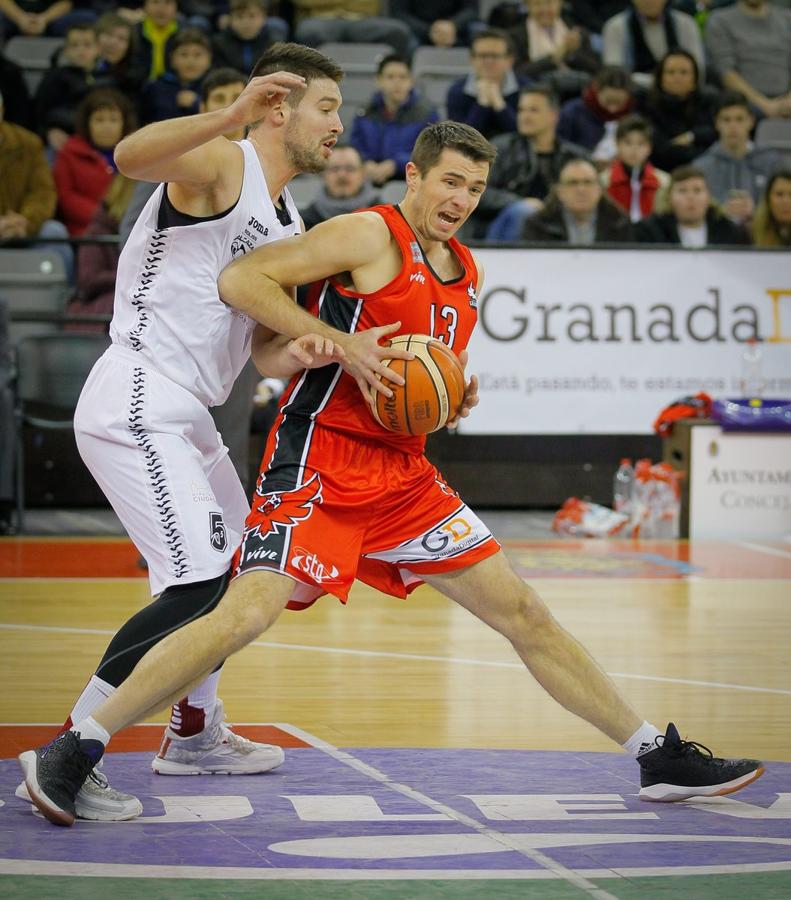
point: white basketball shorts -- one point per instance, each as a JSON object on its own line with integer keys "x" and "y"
{"x": 155, "y": 452}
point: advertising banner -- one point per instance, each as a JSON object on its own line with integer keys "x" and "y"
{"x": 599, "y": 341}
{"x": 740, "y": 485}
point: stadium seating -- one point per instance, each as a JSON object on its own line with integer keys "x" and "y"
{"x": 304, "y": 188}
{"x": 393, "y": 191}
{"x": 50, "y": 372}
{"x": 34, "y": 283}
{"x": 436, "y": 68}
{"x": 775, "y": 133}
{"x": 33, "y": 55}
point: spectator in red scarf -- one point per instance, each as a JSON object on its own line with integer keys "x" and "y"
{"x": 631, "y": 181}
{"x": 591, "y": 120}
{"x": 84, "y": 167}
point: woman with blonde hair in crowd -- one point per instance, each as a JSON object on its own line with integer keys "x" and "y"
{"x": 772, "y": 220}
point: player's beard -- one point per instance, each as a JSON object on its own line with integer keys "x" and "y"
{"x": 303, "y": 158}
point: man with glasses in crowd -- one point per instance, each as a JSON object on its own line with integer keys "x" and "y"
{"x": 487, "y": 98}
{"x": 578, "y": 212}
{"x": 345, "y": 188}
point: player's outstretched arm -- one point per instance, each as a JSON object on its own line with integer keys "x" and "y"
{"x": 190, "y": 149}
{"x": 278, "y": 356}
{"x": 259, "y": 283}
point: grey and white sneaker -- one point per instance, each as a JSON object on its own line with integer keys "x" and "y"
{"x": 215, "y": 751}
{"x": 55, "y": 773}
{"x": 96, "y": 801}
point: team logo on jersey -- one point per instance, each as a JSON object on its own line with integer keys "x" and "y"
{"x": 237, "y": 247}
{"x": 247, "y": 239}
{"x": 418, "y": 276}
{"x": 310, "y": 564}
{"x": 283, "y": 509}
{"x": 451, "y": 532}
{"x": 446, "y": 489}
{"x": 218, "y": 537}
{"x": 473, "y": 296}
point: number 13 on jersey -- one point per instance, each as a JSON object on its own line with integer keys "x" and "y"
{"x": 443, "y": 325}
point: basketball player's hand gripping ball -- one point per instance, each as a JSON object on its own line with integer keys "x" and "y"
{"x": 433, "y": 392}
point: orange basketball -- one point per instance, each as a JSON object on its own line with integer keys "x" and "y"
{"x": 433, "y": 389}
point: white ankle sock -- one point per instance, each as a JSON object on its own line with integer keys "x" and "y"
{"x": 90, "y": 730}
{"x": 643, "y": 740}
{"x": 95, "y": 693}
{"x": 205, "y": 694}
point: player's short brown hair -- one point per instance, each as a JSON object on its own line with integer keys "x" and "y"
{"x": 299, "y": 60}
{"x": 464, "y": 139}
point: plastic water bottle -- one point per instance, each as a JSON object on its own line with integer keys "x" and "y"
{"x": 642, "y": 524}
{"x": 666, "y": 505}
{"x": 752, "y": 369}
{"x": 623, "y": 488}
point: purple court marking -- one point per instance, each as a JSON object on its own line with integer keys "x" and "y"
{"x": 314, "y": 812}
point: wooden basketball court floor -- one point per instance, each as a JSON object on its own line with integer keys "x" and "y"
{"x": 422, "y": 760}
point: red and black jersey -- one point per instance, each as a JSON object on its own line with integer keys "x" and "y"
{"x": 418, "y": 298}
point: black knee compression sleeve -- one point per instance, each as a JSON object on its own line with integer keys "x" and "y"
{"x": 175, "y": 607}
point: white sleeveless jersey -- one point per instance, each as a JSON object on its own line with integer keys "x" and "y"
{"x": 167, "y": 306}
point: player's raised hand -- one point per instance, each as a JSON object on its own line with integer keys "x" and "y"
{"x": 261, "y": 94}
{"x": 312, "y": 351}
{"x": 470, "y": 394}
{"x": 365, "y": 355}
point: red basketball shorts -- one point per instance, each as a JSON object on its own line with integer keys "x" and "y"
{"x": 356, "y": 509}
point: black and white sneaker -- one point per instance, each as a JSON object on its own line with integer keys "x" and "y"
{"x": 97, "y": 800}
{"x": 678, "y": 770}
{"x": 55, "y": 773}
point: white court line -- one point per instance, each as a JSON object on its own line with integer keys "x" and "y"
{"x": 546, "y": 862}
{"x": 123, "y": 870}
{"x": 760, "y": 548}
{"x": 419, "y": 657}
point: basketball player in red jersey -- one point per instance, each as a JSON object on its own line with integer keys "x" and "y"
{"x": 339, "y": 497}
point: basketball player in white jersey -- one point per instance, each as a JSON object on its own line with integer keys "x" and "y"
{"x": 142, "y": 423}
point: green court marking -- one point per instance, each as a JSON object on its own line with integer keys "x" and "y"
{"x": 758, "y": 886}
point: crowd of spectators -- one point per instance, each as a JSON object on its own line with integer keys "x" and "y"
{"x": 615, "y": 120}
